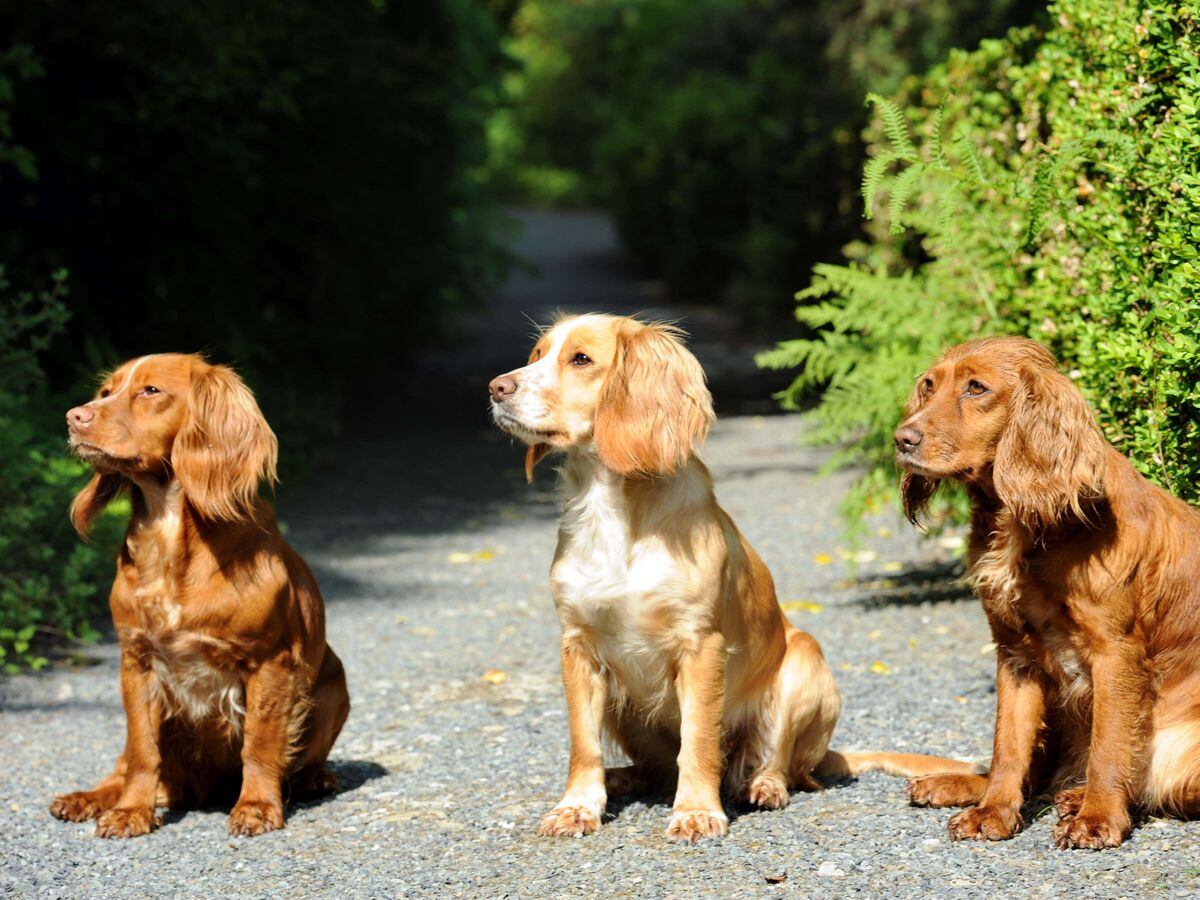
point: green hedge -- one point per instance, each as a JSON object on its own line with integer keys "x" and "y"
{"x": 722, "y": 134}
{"x": 51, "y": 584}
{"x": 1052, "y": 190}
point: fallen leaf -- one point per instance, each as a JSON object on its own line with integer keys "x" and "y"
{"x": 951, "y": 542}
{"x": 941, "y": 629}
{"x": 912, "y": 644}
{"x": 822, "y": 559}
{"x": 874, "y": 635}
{"x": 987, "y": 648}
{"x": 801, "y": 605}
{"x": 495, "y": 676}
{"x": 960, "y": 699}
{"x": 776, "y": 879}
{"x": 881, "y": 668}
{"x": 893, "y": 566}
{"x": 864, "y": 556}
{"x": 480, "y": 556}
{"x": 884, "y": 532}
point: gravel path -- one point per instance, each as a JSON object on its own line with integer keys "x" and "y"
{"x": 433, "y": 555}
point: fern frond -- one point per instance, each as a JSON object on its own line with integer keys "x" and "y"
{"x": 1124, "y": 148}
{"x": 937, "y": 152}
{"x": 901, "y": 192}
{"x": 970, "y": 156}
{"x": 894, "y": 126}
{"x": 873, "y": 174}
{"x": 947, "y": 205}
{"x": 1123, "y": 153}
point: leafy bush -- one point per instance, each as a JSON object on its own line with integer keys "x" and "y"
{"x": 1054, "y": 193}
{"x": 50, "y": 583}
{"x": 721, "y": 133}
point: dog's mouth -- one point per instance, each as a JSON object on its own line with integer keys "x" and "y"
{"x": 97, "y": 457}
{"x": 909, "y": 463}
{"x": 913, "y": 466}
{"x": 509, "y": 423}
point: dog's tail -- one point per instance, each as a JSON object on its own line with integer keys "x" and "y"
{"x": 843, "y": 764}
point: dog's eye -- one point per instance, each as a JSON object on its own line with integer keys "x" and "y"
{"x": 150, "y": 390}
{"x": 581, "y": 359}
{"x": 104, "y": 392}
{"x": 975, "y": 388}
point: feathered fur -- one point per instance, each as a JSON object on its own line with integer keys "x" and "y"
{"x": 1088, "y": 575}
{"x": 227, "y": 681}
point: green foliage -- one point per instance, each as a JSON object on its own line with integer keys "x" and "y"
{"x": 50, "y": 583}
{"x": 720, "y": 133}
{"x": 1065, "y": 206}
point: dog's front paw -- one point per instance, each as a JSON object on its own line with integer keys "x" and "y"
{"x": 252, "y": 817}
{"x": 127, "y": 822}
{"x": 985, "y": 823}
{"x": 768, "y": 792}
{"x": 945, "y": 789}
{"x": 694, "y": 824}
{"x": 569, "y": 821}
{"x": 1087, "y": 831}
{"x": 1068, "y": 802}
{"x": 81, "y": 806}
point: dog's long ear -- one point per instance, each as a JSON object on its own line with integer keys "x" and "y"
{"x": 654, "y": 407}
{"x": 225, "y": 447}
{"x": 534, "y": 455}
{"x": 916, "y": 492}
{"x": 1050, "y": 458}
{"x": 100, "y": 491}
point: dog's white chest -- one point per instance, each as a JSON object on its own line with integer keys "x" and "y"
{"x": 193, "y": 684}
{"x": 627, "y": 597}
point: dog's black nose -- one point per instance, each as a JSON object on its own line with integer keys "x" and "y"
{"x": 907, "y": 438}
{"x": 502, "y": 388}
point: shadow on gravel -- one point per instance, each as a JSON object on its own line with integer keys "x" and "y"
{"x": 617, "y": 805}
{"x": 338, "y": 587}
{"x": 351, "y": 774}
{"x": 934, "y": 582}
{"x": 734, "y": 808}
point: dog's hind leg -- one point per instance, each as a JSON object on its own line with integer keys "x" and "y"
{"x": 796, "y": 727}
{"x": 323, "y": 721}
{"x": 1173, "y": 778}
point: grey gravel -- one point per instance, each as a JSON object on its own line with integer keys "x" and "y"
{"x": 445, "y": 774}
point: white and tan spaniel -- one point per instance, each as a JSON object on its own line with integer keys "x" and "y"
{"x": 673, "y": 641}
